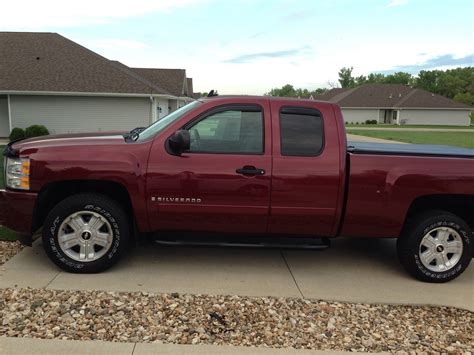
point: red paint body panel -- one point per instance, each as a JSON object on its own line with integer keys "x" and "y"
{"x": 90, "y": 157}
{"x": 296, "y": 195}
{"x": 230, "y": 201}
{"x": 305, "y": 190}
{"x": 382, "y": 187}
{"x": 17, "y": 210}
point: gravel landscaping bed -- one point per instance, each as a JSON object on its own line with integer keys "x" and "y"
{"x": 8, "y": 250}
{"x": 235, "y": 320}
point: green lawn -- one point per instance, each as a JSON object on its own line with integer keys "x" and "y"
{"x": 7, "y": 234}
{"x": 458, "y": 139}
{"x": 349, "y": 125}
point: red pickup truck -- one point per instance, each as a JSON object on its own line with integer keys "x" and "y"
{"x": 246, "y": 166}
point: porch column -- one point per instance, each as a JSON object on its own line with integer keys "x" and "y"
{"x": 9, "y": 114}
{"x": 153, "y": 109}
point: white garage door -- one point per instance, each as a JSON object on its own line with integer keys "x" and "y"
{"x": 75, "y": 114}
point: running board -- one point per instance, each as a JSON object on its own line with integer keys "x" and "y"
{"x": 276, "y": 243}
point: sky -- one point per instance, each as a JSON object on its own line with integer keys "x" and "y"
{"x": 252, "y": 46}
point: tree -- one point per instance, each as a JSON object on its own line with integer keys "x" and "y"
{"x": 319, "y": 91}
{"x": 345, "y": 77}
{"x": 399, "y": 78}
{"x": 465, "y": 98}
{"x": 285, "y": 91}
{"x": 290, "y": 91}
{"x": 457, "y": 84}
{"x": 362, "y": 79}
{"x": 428, "y": 80}
{"x": 448, "y": 83}
{"x": 375, "y": 78}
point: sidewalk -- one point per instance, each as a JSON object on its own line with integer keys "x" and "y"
{"x": 412, "y": 129}
{"x": 20, "y": 346}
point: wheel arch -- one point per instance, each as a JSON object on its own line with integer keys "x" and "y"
{"x": 53, "y": 193}
{"x": 459, "y": 205}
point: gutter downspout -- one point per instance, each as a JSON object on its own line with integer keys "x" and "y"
{"x": 153, "y": 109}
{"x": 9, "y": 113}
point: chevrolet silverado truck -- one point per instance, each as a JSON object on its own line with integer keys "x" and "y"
{"x": 244, "y": 166}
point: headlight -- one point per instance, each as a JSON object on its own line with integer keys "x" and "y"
{"x": 17, "y": 173}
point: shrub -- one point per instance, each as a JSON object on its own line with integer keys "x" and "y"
{"x": 36, "y": 131}
{"x": 370, "y": 121}
{"x": 16, "y": 134}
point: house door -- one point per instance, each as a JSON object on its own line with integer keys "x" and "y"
{"x": 388, "y": 116}
{"x": 162, "y": 109}
{"x": 394, "y": 116}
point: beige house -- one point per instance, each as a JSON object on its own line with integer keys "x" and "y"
{"x": 50, "y": 80}
{"x": 397, "y": 104}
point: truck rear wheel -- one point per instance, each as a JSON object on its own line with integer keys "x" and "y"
{"x": 86, "y": 233}
{"x": 435, "y": 246}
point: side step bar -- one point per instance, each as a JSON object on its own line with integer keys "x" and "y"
{"x": 277, "y": 243}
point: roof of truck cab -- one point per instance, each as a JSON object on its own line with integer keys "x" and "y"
{"x": 260, "y": 97}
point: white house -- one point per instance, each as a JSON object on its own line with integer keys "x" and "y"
{"x": 397, "y": 104}
{"x": 50, "y": 80}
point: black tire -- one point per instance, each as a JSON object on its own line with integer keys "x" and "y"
{"x": 109, "y": 210}
{"x": 408, "y": 245}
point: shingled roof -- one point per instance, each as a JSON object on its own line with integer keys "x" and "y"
{"x": 49, "y": 62}
{"x": 173, "y": 80}
{"x": 388, "y": 96}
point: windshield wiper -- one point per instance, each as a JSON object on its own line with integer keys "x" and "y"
{"x": 134, "y": 133}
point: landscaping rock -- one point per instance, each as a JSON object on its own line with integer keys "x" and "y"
{"x": 8, "y": 250}
{"x": 234, "y": 320}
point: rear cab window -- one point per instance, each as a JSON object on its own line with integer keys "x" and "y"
{"x": 301, "y": 131}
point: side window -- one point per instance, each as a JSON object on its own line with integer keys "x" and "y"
{"x": 230, "y": 131}
{"x": 301, "y": 131}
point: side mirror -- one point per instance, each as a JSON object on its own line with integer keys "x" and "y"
{"x": 179, "y": 142}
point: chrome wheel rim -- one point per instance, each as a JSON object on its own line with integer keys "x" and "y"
{"x": 441, "y": 249}
{"x": 85, "y": 236}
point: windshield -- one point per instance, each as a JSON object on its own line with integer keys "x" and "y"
{"x": 160, "y": 125}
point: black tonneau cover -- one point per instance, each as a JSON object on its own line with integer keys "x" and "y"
{"x": 409, "y": 149}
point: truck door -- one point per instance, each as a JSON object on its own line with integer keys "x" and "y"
{"x": 306, "y": 169}
{"x": 222, "y": 184}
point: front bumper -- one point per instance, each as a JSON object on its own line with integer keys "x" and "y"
{"x": 16, "y": 212}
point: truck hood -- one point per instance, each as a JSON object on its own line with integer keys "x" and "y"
{"x": 62, "y": 140}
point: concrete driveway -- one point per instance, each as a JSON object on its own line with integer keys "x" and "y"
{"x": 352, "y": 270}
{"x": 357, "y": 138}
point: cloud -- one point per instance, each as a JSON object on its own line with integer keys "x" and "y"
{"x": 394, "y": 3}
{"x": 251, "y": 57}
{"x": 298, "y": 16}
{"x": 433, "y": 63}
{"x": 257, "y": 34}
{"x": 34, "y": 14}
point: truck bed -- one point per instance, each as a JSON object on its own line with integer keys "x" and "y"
{"x": 409, "y": 149}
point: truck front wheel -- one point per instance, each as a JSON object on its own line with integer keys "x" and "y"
{"x": 85, "y": 233}
{"x": 435, "y": 247}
